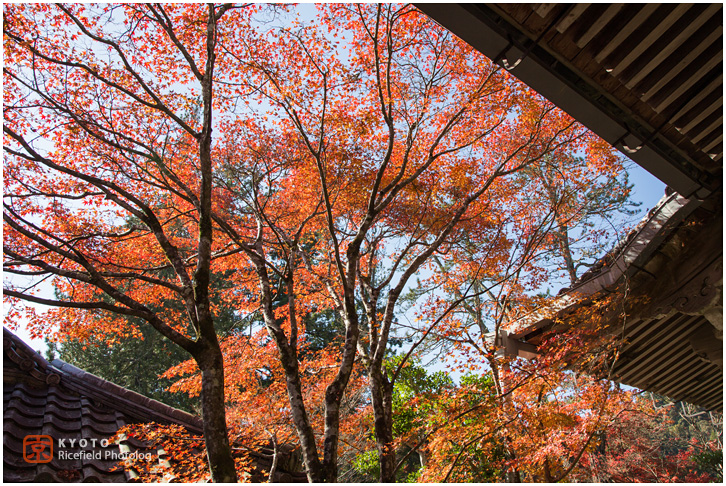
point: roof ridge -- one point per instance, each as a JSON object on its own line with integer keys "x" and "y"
{"x": 128, "y": 401}
{"x": 115, "y": 395}
{"x": 10, "y": 340}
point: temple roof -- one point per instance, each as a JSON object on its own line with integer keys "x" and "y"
{"x": 669, "y": 273}
{"x": 61, "y": 401}
{"x": 69, "y": 405}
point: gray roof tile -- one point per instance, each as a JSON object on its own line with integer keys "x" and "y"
{"x": 67, "y": 403}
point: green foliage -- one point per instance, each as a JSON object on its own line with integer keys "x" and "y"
{"x": 481, "y": 386}
{"x": 322, "y": 328}
{"x": 481, "y": 464}
{"x": 414, "y": 394}
{"x": 483, "y": 458}
{"x": 711, "y": 462}
{"x": 367, "y": 465}
{"x": 413, "y": 477}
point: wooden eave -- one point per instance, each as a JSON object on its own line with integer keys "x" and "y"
{"x": 672, "y": 268}
{"x": 647, "y": 78}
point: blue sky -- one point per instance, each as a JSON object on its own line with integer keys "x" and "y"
{"x": 647, "y": 189}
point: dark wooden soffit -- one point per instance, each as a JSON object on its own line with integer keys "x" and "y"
{"x": 647, "y": 78}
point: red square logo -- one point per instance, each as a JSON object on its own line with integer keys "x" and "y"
{"x": 38, "y": 449}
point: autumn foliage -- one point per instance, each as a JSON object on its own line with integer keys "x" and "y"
{"x": 165, "y": 164}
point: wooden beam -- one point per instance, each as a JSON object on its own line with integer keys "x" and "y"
{"x": 713, "y": 144}
{"x": 514, "y": 347}
{"x": 646, "y": 369}
{"x": 653, "y": 330}
{"x": 698, "y": 391}
{"x": 716, "y": 83}
{"x": 717, "y": 105}
{"x": 715, "y": 400}
{"x": 544, "y": 8}
{"x": 680, "y": 383}
{"x": 696, "y": 113}
{"x": 571, "y": 16}
{"x": 634, "y": 328}
{"x": 654, "y": 34}
{"x": 598, "y": 25}
{"x": 707, "y": 386}
{"x": 713, "y": 126}
{"x": 625, "y": 32}
{"x": 696, "y": 76}
{"x": 683, "y": 62}
{"x": 675, "y": 42}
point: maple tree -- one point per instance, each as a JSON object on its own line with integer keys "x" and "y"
{"x": 148, "y": 148}
{"x": 178, "y": 455}
{"x": 104, "y": 199}
{"x": 538, "y": 417}
{"x": 578, "y": 430}
{"x": 539, "y": 421}
{"x": 564, "y": 201}
{"x": 662, "y": 443}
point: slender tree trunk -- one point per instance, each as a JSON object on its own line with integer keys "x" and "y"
{"x": 382, "y": 398}
{"x": 335, "y": 390}
{"x": 423, "y": 457}
{"x": 332, "y": 431}
{"x": 300, "y": 419}
{"x": 564, "y": 241}
{"x": 547, "y": 473}
{"x": 275, "y": 459}
{"x": 219, "y": 453}
{"x": 289, "y": 360}
{"x": 511, "y": 476}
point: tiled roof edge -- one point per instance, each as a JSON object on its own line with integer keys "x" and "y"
{"x": 117, "y": 397}
{"x": 28, "y": 360}
{"x": 25, "y": 351}
{"x": 128, "y": 401}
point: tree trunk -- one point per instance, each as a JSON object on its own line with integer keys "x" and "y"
{"x": 423, "y": 456}
{"x": 513, "y": 476}
{"x": 301, "y": 421}
{"x": 332, "y": 431}
{"x": 382, "y": 398}
{"x": 287, "y": 353}
{"x": 336, "y": 389}
{"x": 216, "y": 439}
{"x": 288, "y": 359}
{"x": 547, "y": 472}
{"x": 564, "y": 241}
{"x": 275, "y": 459}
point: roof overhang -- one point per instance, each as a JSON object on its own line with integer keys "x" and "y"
{"x": 647, "y": 78}
{"x": 669, "y": 272}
